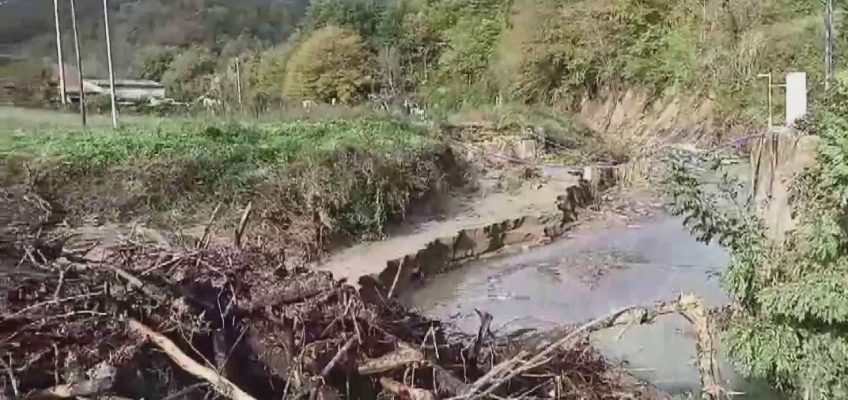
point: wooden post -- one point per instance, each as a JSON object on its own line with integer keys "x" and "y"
{"x": 111, "y": 68}
{"x": 238, "y": 83}
{"x": 79, "y": 60}
{"x": 59, "y": 57}
{"x": 769, "y": 87}
{"x": 770, "y": 103}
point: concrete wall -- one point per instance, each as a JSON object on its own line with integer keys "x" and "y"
{"x": 775, "y": 161}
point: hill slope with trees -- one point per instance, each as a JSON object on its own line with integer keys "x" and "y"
{"x": 452, "y": 54}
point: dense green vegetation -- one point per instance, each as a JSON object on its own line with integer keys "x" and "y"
{"x": 332, "y": 64}
{"x": 471, "y": 53}
{"x": 452, "y": 54}
{"x": 313, "y": 180}
{"x": 224, "y": 27}
{"x": 794, "y": 294}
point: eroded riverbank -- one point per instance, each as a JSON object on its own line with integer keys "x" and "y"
{"x": 593, "y": 271}
{"x": 601, "y": 266}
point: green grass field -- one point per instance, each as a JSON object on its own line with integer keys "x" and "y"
{"x": 34, "y": 120}
{"x": 357, "y": 172}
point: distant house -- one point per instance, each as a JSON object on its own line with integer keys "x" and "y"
{"x": 135, "y": 90}
{"x": 126, "y": 90}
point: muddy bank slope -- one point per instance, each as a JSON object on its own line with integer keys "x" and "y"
{"x": 545, "y": 203}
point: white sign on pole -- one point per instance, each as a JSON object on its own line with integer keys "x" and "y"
{"x": 796, "y": 96}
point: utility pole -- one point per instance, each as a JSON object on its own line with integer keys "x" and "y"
{"x": 828, "y": 44}
{"x": 770, "y": 85}
{"x": 238, "y": 83}
{"x": 59, "y": 57}
{"x": 111, "y": 68}
{"x": 79, "y": 60}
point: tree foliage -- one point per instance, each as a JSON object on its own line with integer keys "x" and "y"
{"x": 451, "y": 53}
{"x": 470, "y": 45}
{"x": 186, "y": 77}
{"x": 364, "y": 16}
{"x": 268, "y": 71}
{"x": 332, "y": 63}
{"x": 794, "y": 293}
{"x": 152, "y": 62}
{"x": 136, "y": 25}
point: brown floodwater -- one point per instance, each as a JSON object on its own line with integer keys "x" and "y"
{"x": 596, "y": 270}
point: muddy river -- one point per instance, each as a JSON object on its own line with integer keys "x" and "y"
{"x": 595, "y": 270}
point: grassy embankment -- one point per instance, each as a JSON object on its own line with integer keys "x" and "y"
{"x": 309, "y": 181}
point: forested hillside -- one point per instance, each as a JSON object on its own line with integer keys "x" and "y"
{"x": 449, "y": 53}
{"x": 455, "y": 53}
{"x": 222, "y": 26}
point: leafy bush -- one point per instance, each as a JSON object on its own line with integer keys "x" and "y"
{"x": 794, "y": 294}
{"x": 332, "y": 63}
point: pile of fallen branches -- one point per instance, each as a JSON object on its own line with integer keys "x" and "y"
{"x": 152, "y": 322}
{"x": 25, "y": 219}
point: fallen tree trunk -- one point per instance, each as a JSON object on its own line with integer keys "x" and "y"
{"x": 403, "y": 356}
{"x": 404, "y": 391}
{"x": 216, "y": 381}
{"x": 406, "y": 355}
{"x": 694, "y": 311}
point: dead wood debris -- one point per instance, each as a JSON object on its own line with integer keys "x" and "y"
{"x": 207, "y": 321}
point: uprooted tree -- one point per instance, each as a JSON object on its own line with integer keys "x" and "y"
{"x": 794, "y": 294}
